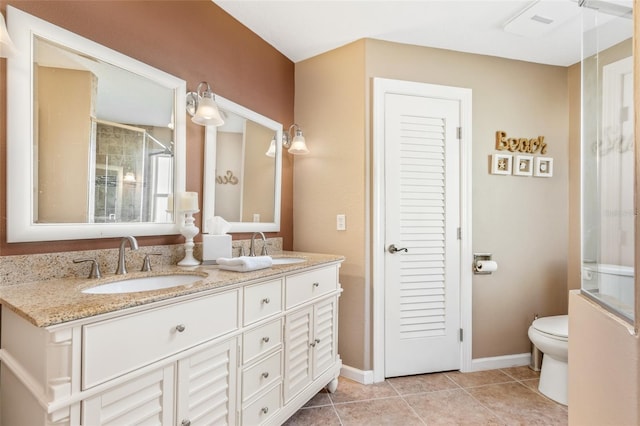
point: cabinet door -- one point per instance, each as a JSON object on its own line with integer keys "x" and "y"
{"x": 324, "y": 336}
{"x": 297, "y": 364}
{"x": 206, "y": 392}
{"x": 144, "y": 400}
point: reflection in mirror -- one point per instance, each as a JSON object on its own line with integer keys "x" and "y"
{"x": 608, "y": 161}
{"x": 242, "y": 183}
{"x": 107, "y": 143}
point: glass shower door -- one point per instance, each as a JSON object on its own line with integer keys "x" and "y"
{"x": 608, "y": 234}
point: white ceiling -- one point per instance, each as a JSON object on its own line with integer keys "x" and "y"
{"x": 301, "y": 29}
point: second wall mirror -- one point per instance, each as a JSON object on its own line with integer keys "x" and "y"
{"x": 242, "y": 184}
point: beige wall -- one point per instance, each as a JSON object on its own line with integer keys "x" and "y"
{"x": 574, "y": 262}
{"x": 259, "y": 170}
{"x": 63, "y": 147}
{"x": 523, "y": 221}
{"x": 331, "y": 180}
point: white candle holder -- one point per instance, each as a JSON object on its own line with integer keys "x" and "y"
{"x": 188, "y": 231}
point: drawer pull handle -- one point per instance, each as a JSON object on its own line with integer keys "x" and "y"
{"x": 186, "y": 422}
{"x": 266, "y": 300}
{"x": 265, "y": 374}
{"x": 180, "y": 328}
{"x": 265, "y": 339}
{"x": 265, "y": 410}
{"x": 316, "y": 284}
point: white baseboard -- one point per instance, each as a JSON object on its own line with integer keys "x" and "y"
{"x": 364, "y": 377}
{"x": 505, "y": 361}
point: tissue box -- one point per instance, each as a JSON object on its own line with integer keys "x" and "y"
{"x": 215, "y": 246}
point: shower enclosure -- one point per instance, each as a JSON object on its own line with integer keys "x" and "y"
{"x": 608, "y": 234}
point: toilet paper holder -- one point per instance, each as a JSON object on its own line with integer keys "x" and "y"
{"x": 477, "y": 257}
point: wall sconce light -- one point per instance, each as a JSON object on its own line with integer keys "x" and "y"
{"x": 202, "y": 108}
{"x": 297, "y": 145}
{"x": 7, "y": 48}
{"x": 271, "y": 152}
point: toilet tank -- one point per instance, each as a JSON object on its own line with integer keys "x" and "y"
{"x": 610, "y": 282}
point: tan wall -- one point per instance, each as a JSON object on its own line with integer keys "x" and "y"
{"x": 523, "y": 221}
{"x": 193, "y": 40}
{"x": 574, "y": 262}
{"x": 63, "y": 148}
{"x": 330, "y": 108}
{"x": 604, "y": 366}
{"x": 258, "y": 169}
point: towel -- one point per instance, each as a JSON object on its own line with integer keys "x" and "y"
{"x": 244, "y": 263}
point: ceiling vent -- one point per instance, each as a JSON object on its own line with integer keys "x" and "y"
{"x": 541, "y": 17}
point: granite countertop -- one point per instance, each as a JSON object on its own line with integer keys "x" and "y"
{"x": 55, "y": 301}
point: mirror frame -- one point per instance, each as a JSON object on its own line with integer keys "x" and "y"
{"x": 23, "y": 28}
{"x": 209, "y": 186}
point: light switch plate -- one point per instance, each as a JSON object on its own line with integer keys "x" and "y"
{"x": 341, "y": 222}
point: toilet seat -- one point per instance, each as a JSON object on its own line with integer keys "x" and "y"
{"x": 555, "y": 327}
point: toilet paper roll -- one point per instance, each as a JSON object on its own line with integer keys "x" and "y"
{"x": 486, "y": 266}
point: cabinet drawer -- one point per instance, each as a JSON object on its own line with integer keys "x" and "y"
{"x": 263, "y": 408}
{"x": 113, "y": 347}
{"x": 262, "y": 300}
{"x": 261, "y": 340}
{"x": 261, "y": 375}
{"x": 306, "y": 286}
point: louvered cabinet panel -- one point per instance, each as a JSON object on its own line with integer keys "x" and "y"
{"x": 147, "y": 400}
{"x": 297, "y": 367}
{"x": 206, "y": 386}
{"x": 324, "y": 331}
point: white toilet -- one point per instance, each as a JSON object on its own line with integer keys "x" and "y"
{"x": 551, "y": 336}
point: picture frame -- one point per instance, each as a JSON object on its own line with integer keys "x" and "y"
{"x": 523, "y": 165}
{"x": 543, "y": 167}
{"x": 501, "y": 164}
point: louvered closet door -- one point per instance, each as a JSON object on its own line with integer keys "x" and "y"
{"x": 422, "y": 284}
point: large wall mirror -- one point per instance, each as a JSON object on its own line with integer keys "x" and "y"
{"x": 241, "y": 182}
{"x": 95, "y": 139}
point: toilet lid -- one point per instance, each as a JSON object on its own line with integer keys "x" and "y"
{"x": 556, "y": 326}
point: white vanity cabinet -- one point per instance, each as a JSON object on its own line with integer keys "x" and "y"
{"x": 311, "y": 328}
{"x": 251, "y": 354}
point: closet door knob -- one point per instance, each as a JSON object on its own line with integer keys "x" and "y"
{"x": 265, "y": 374}
{"x": 180, "y": 328}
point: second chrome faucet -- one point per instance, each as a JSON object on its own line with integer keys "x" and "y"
{"x": 252, "y": 248}
{"x": 122, "y": 264}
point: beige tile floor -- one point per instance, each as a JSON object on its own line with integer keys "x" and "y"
{"x": 497, "y": 397}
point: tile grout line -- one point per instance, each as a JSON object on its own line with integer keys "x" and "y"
{"x": 407, "y": 402}
{"x": 335, "y": 410}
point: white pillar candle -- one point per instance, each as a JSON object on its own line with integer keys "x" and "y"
{"x": 188, "y": 201}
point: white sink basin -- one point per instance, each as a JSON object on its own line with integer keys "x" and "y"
{"x": 143, "y": 284}
{"x": 287, "y": 260}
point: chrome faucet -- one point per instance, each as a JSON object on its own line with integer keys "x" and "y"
{"x": 252, "y": 249}
{"x": 122, "y": 263}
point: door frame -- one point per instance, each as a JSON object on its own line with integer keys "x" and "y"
{"x": 381, "y": 87}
